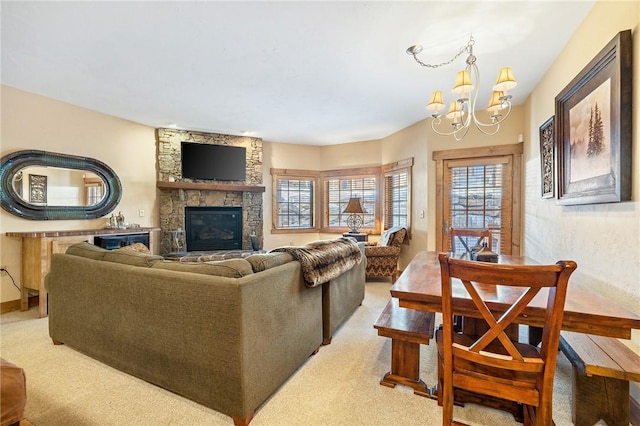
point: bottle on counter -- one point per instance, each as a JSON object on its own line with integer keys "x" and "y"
{"x": 120, "y": 220}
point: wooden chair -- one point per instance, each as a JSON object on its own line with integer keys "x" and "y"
{"x": 490, "y": 364}
{"x": 469, "y": 238}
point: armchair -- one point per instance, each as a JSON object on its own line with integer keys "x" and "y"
{"x": 382, "y": 257}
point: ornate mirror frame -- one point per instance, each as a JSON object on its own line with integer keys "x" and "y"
{"x": 11, "y": 201}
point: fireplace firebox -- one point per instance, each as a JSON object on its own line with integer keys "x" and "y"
{"x": 213, "y": 228}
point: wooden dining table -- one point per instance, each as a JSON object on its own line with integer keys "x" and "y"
{"x": 585, "y": 311}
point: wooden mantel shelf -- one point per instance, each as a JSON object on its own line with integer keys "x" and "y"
{"x": 204, "y": 186}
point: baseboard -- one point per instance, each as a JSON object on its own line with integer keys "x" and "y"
{"x": 634, "y": 412}
{"x": 14, "y": 305}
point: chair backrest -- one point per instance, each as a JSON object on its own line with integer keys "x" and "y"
{"x": 393, "y": 236}
{"x": 463, "y": 240}
{"x": 493, "y": 353}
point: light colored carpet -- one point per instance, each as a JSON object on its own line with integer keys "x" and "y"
{"x": 337, "y": 386}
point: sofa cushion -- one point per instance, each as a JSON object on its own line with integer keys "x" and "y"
{"x": 90, "y": 251}
{"x": 133, "y": 258}
{"x": 230, "y": 268}
{"x": 262, "y": 262}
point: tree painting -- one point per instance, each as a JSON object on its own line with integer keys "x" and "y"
{"x": 590, "y": 135}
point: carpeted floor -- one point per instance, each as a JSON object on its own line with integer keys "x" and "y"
{"x": 337, "y": 386}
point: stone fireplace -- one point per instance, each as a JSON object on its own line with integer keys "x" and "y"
{"x": 177, "y": 193}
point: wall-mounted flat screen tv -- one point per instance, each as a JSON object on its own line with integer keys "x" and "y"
{"x": 213, "y": 162}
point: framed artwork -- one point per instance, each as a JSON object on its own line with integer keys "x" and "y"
{"x": 547, "y": 159}
{"x": 37, "y": 189}
{"x": 593, "y": 129}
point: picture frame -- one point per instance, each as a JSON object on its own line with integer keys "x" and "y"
{"x": 38, "y": 189}
{"x": 593, "y": 129}
{"x": 547, "y": 159}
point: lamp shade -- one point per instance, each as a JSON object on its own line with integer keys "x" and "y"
{"x": 463, "y": 83}
{"x": 354, "y": 206}
{"x": 506, "y": 80}
{"x": 495, "y": 103}
{"x": 436, "y": 103}
{"x": 455, "y": 111}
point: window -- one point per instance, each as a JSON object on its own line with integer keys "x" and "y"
{"x": 397, "y": 194}
{"x": 337, "y": 193}
{"x": 314, "y": 201}
{"x": 479, "y": 188}
{"x": 476, "y": 196}
{"x": 294, "y": 201}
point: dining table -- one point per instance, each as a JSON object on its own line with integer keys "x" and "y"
{"x": 585, "y": 310}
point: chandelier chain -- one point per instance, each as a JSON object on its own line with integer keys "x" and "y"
{"x": 463, "y": 49}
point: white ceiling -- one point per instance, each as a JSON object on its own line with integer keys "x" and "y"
{"x": 296, "y": 72}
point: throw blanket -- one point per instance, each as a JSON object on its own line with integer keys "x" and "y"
{"x": 324, "y": 260}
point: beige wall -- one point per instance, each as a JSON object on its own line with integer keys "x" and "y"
{"x": 30, "y": 121}
{"x": 306, "y": 157}
{"x": 604, "y": 239}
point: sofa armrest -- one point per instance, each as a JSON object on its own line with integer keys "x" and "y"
{"x": 13, "y": 393}
{"x": 380, "y": 251}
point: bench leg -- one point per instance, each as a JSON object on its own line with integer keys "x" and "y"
{"x": 405, "y": 367}
{"x": 596, "y": 398}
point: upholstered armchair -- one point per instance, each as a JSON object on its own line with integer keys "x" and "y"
{"x": 382, "y": 257}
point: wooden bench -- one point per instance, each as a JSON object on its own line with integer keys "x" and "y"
{"x": 408, "y": 329}
{"x": 602, "y": 369}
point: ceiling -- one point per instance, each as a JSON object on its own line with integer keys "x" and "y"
{"x": 316, "y": 73}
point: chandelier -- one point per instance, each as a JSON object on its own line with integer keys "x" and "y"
{"x": 462, "y": 111}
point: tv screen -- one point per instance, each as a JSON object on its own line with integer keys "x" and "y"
{"x": 213, "y": 162}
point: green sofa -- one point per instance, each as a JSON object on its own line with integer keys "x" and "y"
{"x": 225, "y": 334}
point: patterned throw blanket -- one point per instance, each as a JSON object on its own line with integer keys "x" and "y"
{"x": 324, "y": 260}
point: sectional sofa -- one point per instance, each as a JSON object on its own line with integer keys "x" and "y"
{"x": 225, "y": 334}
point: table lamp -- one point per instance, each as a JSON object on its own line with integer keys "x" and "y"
{"x": 355, "y": 219}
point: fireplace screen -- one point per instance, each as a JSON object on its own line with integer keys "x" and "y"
{"x": 213, "y": 228}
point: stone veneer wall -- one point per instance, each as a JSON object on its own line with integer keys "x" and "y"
{"x": 173, "y": 201}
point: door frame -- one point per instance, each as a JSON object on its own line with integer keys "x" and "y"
{"x": 513, "y": 150}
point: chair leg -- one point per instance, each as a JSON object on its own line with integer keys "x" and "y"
{"x": 447, "y": 402}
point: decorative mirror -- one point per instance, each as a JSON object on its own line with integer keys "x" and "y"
{"x": 41, "y": 185}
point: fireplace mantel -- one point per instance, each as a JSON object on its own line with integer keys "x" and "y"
{"x": 204, "y": 186}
